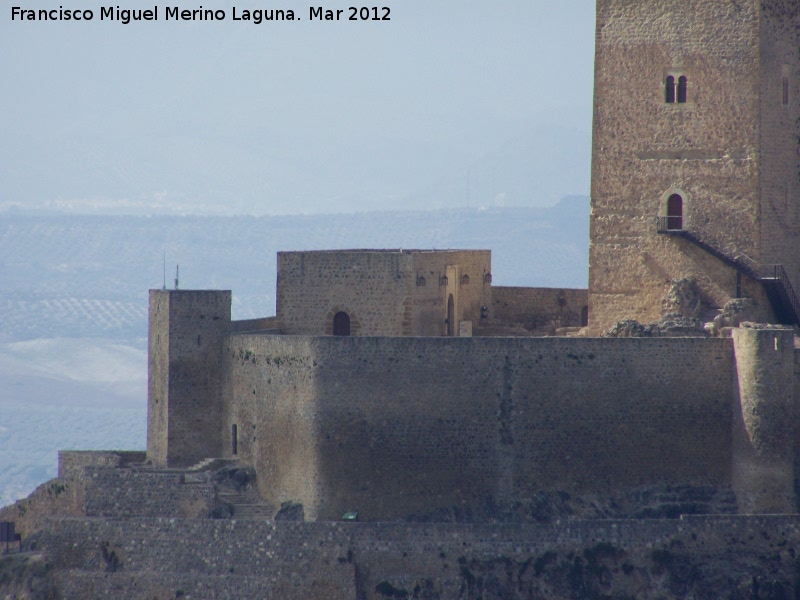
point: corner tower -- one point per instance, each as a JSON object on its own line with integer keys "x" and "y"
{"x": 187, "y": 329}
{"x": 695, "y": 166}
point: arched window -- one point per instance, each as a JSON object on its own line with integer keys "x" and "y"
{"x": 670, "y": 89}
{"x": 675, "y": 212}
{"x": 341, "y": 323}
{"x": 682, "y": 88}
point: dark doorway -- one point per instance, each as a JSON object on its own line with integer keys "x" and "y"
{"x": 341, "y": 323}
{"x": 451, "y": 316}
{"x": 675, "y": 212}
{"x": 234, "y": 440}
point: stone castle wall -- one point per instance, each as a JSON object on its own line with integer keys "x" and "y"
{"x": 430, "y": 423}
{"x": 262, "y": 324}
{"x": 538, "y": 308}
{"x": 764, "y": 423}
{"x": 466, "y": 282}
{"x": 126, "y": 493}
{"x": 158, "y": 377}
{"x": 371, "y": 287}
{"x": 780, "y": 135}
{"x": 90, "y": 484}
{"x": 384, "y": 292}
{"x": 71, "y": 463}
{"x": 169, "y": 558}
{"x": 267, "y": 376}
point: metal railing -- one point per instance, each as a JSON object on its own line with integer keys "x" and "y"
{"x": 778, "y": 274}
{"x": 667, "y": 224}
{"x": 767, "y": 274}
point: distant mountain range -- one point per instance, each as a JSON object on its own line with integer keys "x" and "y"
{"x": 88, "y": 276}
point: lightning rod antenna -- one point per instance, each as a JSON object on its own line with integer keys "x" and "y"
{"x": 177, "y": 272}
{"x": 164, "y": 264}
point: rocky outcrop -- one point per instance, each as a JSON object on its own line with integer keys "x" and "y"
{"x": 27, "y": 576}
{"x": 734, "y": 313}
{"x": 290, "y": 511}
{"x": 62, "y": 497}
{"x": 680, "y": 315}
{"x": 682, "y": 298}
{"x": 670, "y": 325}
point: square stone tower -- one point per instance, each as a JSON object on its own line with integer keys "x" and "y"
{"x": 187, "y": 329}
{"x": 695, "y": 166}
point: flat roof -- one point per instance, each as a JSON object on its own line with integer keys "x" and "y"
{"x": 384, "y": 251}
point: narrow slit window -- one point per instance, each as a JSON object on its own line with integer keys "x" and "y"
{"x": 785, "y": 70}
{"x": 670, "y": 90}
{"x": 682, "y": 89}
{"x": 785, "y": 95}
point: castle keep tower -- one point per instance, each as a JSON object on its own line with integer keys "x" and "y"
{"x": 695, "y": 167}
{"x": 187, "y": 331}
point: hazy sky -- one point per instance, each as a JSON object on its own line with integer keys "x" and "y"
{"x": 450, "y": 103}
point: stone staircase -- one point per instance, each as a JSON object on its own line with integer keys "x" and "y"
{"x": 773, "y": 277}
{"x": 245, "y": 506}
{"x": 207, "y": 463}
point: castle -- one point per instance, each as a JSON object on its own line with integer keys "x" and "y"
{"x": 695, "y": 173}
{"x": 398, "y": 385}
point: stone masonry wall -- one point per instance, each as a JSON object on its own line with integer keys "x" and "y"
{"x": 121, "y": 493}
{"x": 263, "y": 324}
{"x": 372, "y": 287}
{"x": 466, "y": 282}
{"x": 158, "y": 378}
{"x": 395, "y": 426}
{"x": 700, "y": 557}
{"x": 266, "y": 376}
{"x": 103, "y": 491}
{"x": 537, "y": 308}
{"x": 644, "y": 149}
{"x": 764, "y": 423}
{"x": 384, "y": 292}
{"x": 780, "y": 135}
{"x": 72, "y": 462}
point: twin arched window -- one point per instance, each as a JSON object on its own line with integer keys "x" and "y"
{"x": 676, "y": 91}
